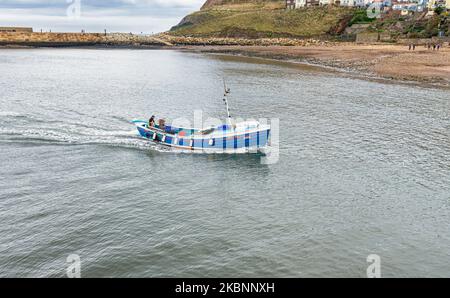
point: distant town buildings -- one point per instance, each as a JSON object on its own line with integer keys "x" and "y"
{"x": 403, "y": 5}
{"x": 16, "y": 29}
{"x": 300, "y": 3}
{"x": 312, "y": 3}
{"x": 290, "y": 4}
{"x": 347, "y": 3}
{"x": 409, "y": 5}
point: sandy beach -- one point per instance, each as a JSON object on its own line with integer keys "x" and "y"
{"x": 380, "y": 60}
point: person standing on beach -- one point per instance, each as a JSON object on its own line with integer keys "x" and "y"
{"x": 409, "y": 48}
{"x": 414, "y": 46}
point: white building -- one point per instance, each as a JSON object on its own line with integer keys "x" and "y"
{"x": 347, "y": 2}
{"x": 350, "y": 3}
{"x": 304, "y": 3}
{"x": 432, "y": 4}
{"x": 409, "y": 5}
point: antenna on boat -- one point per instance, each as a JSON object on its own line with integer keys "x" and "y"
{"x": 225, "y": 99}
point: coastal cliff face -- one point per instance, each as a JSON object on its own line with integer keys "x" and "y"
{"x": 253, "y": 19}
{"x": 261, "y": 19}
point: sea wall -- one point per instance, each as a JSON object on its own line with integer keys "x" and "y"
{"x": 368, "y": 37}
{"x": 78, "y": 39}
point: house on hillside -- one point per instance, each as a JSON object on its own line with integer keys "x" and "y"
{"x": 309, "y": 3}
{"x": 432, "y": 4}
{"x": 312, "y": 3}
{"x": 409, "y": 5}
{"x": 359, "y": 3}
{"x": 347, "y": 2}
{"x": 290, "y": 4}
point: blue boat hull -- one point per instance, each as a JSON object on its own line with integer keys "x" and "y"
{"x": 248, "y": 140}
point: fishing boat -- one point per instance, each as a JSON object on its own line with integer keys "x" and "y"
{"x": 231, "y": 137}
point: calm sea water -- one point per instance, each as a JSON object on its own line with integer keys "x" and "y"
{"x": 364, "y": 169}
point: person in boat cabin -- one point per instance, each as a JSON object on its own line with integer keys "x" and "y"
{"x": 162, "y": 124}
{"x": 151, "y": 121}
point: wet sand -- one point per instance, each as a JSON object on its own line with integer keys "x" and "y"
{"x": 386, "y": 61}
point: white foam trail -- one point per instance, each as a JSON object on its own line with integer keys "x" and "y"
{"x": 10, "y": 114}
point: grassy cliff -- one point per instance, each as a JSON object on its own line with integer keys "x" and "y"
{"x": 261, "y": 18}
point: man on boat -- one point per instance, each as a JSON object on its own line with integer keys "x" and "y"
{"x": 151, "y": 122}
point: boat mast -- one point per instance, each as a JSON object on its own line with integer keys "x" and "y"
{"x": 225, "y": 99}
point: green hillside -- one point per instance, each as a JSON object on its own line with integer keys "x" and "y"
{"x": 261, "y": 18}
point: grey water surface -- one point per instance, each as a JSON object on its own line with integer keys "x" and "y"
{"x": 364, "y": 168}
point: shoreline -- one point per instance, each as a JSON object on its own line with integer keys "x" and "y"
{"x": 377, "y": 61}
{"x": 387, "y": 62}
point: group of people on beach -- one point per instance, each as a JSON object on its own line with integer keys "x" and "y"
{"x": 412, "y": 46}
{"x": 430, "y": 46}
{"x": 434, "y": 46}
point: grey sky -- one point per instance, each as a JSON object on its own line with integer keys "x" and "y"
{"x": 116, "y": 15}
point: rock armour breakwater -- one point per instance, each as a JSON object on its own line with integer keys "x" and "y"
{"x": 126, "y": 39}
{"x": 230, "y": 41}
{"x": 79, "y": 39}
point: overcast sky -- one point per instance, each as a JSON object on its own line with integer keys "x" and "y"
{"x": 95, "y": 15}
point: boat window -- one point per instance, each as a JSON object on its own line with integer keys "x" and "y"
{"x": 207, "y": 131}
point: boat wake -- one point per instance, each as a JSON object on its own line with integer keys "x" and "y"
{"x": 32, "y": 130}
{"x": 36, "y": 136}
